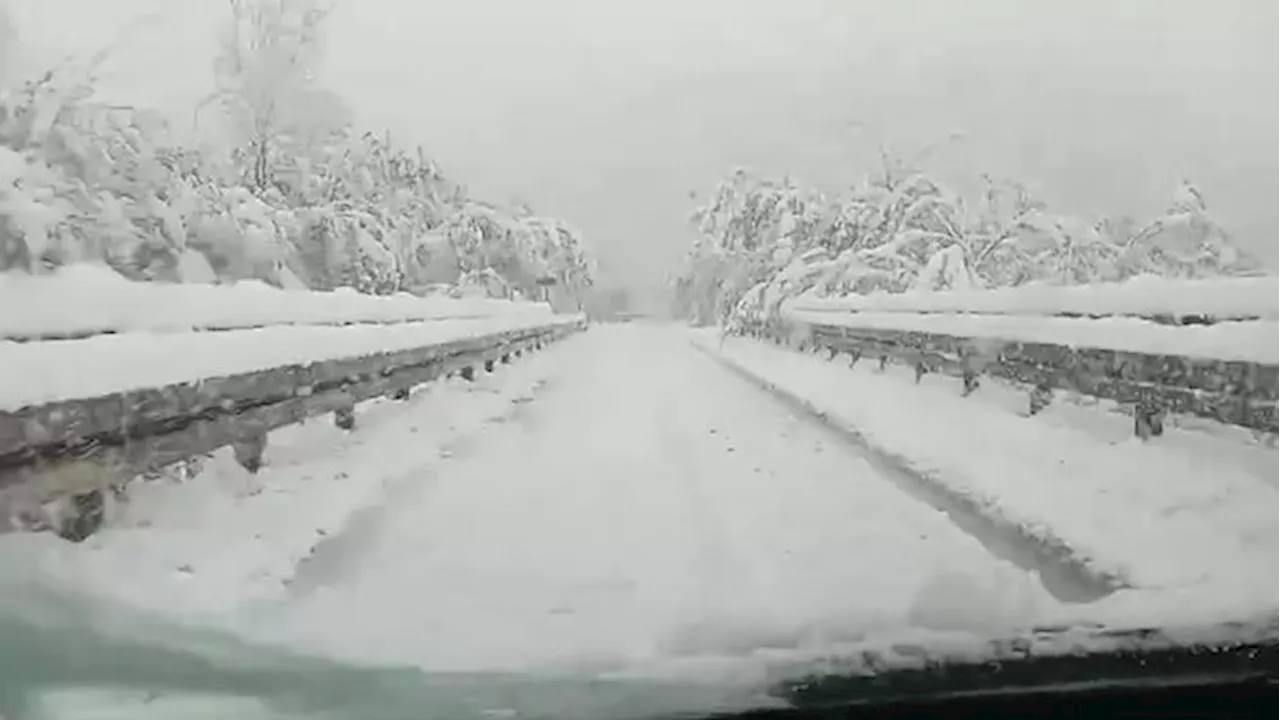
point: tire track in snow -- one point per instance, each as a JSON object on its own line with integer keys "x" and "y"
{"x": 652, "y": 505}
{"x": 335, "y": 555}
{"x": 1060, "y": 575}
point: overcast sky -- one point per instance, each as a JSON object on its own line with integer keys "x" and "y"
{"x": 610, "y": 112}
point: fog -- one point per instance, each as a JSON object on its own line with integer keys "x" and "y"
{"x": 610, "y": 113}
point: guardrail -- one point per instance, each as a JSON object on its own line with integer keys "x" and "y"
{"x": 1227, "y": 373}
{"x": 80, "y": 301}
{"x": 120, "y": 435}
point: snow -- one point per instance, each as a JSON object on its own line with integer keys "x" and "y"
{"x": 1226, "y": 297}
{"x": 135, "y": 360}
{"x": 570, "y": 524}
{"x": 86, "y": 299}
{"x": 680, "y": 514}
{"x": 961, "y": 601}
{"x": 946, "y": 269}
{"x": 600, "y": 526}
{"x": 1026, "y": 314}
{"x": 682, "y": 524}
{"x": 1164, "y": 515}
{"x": 224, "y": 540}
{"x": 1249, "y": 341}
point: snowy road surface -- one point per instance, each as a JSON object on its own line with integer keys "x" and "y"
{"x": 646, "y": 504}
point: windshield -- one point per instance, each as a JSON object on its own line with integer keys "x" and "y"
{"x": 630, "y": 359}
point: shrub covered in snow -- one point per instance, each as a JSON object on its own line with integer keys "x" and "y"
{"x": 293, "y": 196}
{"x": 762, "y": 240}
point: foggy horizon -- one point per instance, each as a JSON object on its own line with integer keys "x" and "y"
{"x": 610, "y": 114}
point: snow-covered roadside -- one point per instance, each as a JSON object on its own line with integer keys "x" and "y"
{"x": 1209, "y": 445}
{"x": 1155, "y": 515}
{"x": 42, "y": 372}
{"x": 1144, "y": 295}
{"x": 86, "y": 299}
{"x": 223, "y": 539}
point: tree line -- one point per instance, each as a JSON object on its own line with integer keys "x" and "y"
{"x": 760, "y": 240}
{"x": 286, "y": 190}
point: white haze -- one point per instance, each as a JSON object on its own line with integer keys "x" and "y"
{"x": 611, "y": 112}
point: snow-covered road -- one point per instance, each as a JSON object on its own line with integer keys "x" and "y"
{"x": 646, "y": 504}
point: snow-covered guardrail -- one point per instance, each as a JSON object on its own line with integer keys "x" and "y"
{"x": 1162, "y": 300}
{"x": 80, "y": 301}
{"x": 1207, "y": 348}
{"x": 80, "y": 415}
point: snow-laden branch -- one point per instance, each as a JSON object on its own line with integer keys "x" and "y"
{"x": 902, "y": 229}
{"x": 299, "y": 199}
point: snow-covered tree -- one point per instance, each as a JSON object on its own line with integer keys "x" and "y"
{"x": 82, "y": 181}
{"x": 1186, "y": 241}
{"x": 748, "y": 229}
{"x": 303, "y": 201}
{"x": 266, "y": 78}
{"x": 761, "y": 241}
{"x": 947, "y": 269}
